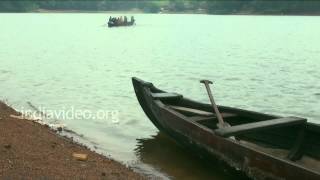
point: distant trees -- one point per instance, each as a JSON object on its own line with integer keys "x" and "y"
{"x": 154, "y": 6}
{"x": 18, "y": 6}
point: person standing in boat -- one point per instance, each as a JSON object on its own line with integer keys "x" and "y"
{"x": 132, "y": 20}
{"x": 110, "y": 20}
{"x": 125, "y": 20}
{"x": 117, "y": 21}
{"x": 121, "y": 20}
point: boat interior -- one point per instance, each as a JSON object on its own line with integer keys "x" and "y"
{"x": 289, "y": 138}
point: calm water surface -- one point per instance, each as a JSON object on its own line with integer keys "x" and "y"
{"x": 62, "y": 61}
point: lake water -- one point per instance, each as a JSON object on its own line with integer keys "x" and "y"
{"x": 73, "y": 61}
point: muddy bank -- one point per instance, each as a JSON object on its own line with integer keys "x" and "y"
{"x": 28, "y": 149}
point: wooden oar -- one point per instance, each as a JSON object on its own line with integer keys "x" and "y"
{"x": 221, "y": 123}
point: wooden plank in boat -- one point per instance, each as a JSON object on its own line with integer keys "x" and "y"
{"x": 200, "y": 112}
{"x": 201, "y": 118}
{"x": 262, "y": 125}
{"x": 166, "y": 96}
{"x": 192, "y": 111}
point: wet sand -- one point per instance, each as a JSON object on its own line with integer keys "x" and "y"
{"x": 30, "y": 150}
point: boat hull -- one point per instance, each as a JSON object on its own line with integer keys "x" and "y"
{"x": 119, "y": 25}
{"x": 202, "y": 140}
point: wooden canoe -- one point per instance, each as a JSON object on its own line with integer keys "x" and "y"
{"x": 261, "y": 145}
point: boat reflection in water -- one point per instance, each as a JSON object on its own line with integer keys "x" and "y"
{"x": 166, "y": 156}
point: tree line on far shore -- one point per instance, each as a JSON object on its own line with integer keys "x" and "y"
{"x": 169, "y": 6}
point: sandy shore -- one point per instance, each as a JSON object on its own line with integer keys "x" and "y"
{"x": 30, "y": 150}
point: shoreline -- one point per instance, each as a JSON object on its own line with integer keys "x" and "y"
{"x": 33, "y": 150}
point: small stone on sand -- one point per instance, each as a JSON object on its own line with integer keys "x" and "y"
{"x": 7, "y": 146}
{"x": 80, "y": 157}
{"x": 59, "y": 129}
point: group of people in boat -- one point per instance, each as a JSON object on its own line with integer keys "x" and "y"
{"x": 120, "y": 21}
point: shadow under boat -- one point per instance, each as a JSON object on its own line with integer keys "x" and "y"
{"x": 174, "y": 160}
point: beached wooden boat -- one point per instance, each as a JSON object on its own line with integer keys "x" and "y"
{"x": 261, "y": 145}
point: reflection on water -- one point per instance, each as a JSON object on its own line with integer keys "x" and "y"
{"x": 174, "y": 160}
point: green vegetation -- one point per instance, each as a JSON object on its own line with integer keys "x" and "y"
{"x": 156, "y": 6}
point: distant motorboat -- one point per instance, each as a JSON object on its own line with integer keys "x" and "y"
{"x": 116, "y": 22}
{"x": 113, "y": 24}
